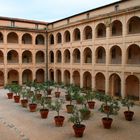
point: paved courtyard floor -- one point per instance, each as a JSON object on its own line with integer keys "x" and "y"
{"x": 17, "y": 123}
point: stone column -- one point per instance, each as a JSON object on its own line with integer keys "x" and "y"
{"x": 55, "y": 75}
{"x": 107, "y": 84}
{"x": 81, "y": 79}
{"x": 123, "y": 86}
{"x": 93, "y": 83}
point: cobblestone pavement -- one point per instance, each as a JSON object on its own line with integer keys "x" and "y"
{"x": 17, "y": 123}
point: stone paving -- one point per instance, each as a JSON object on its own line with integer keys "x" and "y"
{"x": 17, "y": 123}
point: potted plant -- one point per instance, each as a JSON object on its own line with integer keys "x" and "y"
{"x": 44, "y": 111}
{"x": 24, "y": 100}
{"x": 10, "y": 93}
{"x": 33, "y": 104}
{"x": 56, "y": 106}
{"x": 113, "y": 109}
{"x": 128, "y": 103}
{"x": 90, "y": 95}
{"x": 37, "y": 90}
{"x": 58, "y": 86}
{"x": 16, "y": 89}
{"x": 49, "y": 84}
{"x": 77, "y": 119}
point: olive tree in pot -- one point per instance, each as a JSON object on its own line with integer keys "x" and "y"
{"x": 128, "y": 103}
{"x": 58, "y": 86}
{"x": 48, "y": 84}
{"x": 113, "y": 110}
{"x": 24, "y": 94}
{"x": 10, "y": 93}
{"x": 77, "y": 119}
{"x": 33, "y": 104}
{"x": 45, "y": 105}
{"x": 56, "y": 106}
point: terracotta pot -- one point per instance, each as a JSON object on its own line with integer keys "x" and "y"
{"x": 32, "y": 107}
{"x": 49, "y": 91}
{"x": 129, "y": 115}
{"x": 79, "y": 130}
{"x": 24, "y": 102}
{"x": 57, "y": 94}
{"x": 16, "y": 98}
{"x": 69, "y": 108}
{"x": 91, "y": 104}
{"x": 68, "y": 97}
{"x": 59, "y": 120}
{"x": 44, "y": 113}
{"x": 107, "y": 122}
{"x": 38, "y": 96}
{"x": 10, "y": 95}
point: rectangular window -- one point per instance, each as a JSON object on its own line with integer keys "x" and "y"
{"x": 36, "y": 26}
{"x": 12, "y": 23}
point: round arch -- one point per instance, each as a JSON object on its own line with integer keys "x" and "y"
{"x": 13, "y": 77}
{"x": 27, "y": 76}
{"x": 40, "y": 76}
{"x": 87, "y": 80}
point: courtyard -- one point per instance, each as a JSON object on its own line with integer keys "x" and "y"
{"x": 18, "y": 123}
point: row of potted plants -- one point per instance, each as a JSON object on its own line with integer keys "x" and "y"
{"x": 32, "y": 93}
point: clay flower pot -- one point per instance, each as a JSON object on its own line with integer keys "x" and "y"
{"x": 79, "y": 130}
{"x": 59, "y": 120}
{"x": 67, "y": 97}
{"x": 49, "y": 91}
{"x": 69, "y": 108}
{"x": 24, "y": 102}
{"x": 107, "y": 122}
{"x": 16, "y": 98}
{"x": 91, "y": 104}
{"x": 32, "y": 107}
{"x": 44, "y": 113}
{"x": 129, "y": 115}
{"x": 10, "y": 95}
{"x": 57, "y": 94}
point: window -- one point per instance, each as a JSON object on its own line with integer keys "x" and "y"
{"x": 36, "y": 26}
{"x": 12, "y": 23}
{"x": 116, "y": 8}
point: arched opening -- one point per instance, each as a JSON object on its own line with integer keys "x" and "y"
{"x": 116, "y": 28}
{"x": 133, "y": 25}
{"x": 87, "y": 33}
{"x": 51, "y": 56}
{"x": 39, "y": 40}
{"x": 132, "y": 87}
{"x": 58, "y": 56}
{"x": 40, "y": 57}
{"x": 40, "y": 75}
{"x": 100, "y": 55}
{"x": 12, "y": 38}
{"x": 87, "y": 55}
{"x": 115, "y": 55}
{"x": 67, "y": 36}
{"x": 51, "y": 74}
{"x": 12, "y": 56}
{"x": 115, "y": 85}
{"x": 26, "y": 39}
{"x": 1, "y": 57}
{"x": 100, "y": 82}
{"x": 26, "y": 57}
{"x": 66, "y": 77}
{"x": 76, "y": 34}
{"x": 66, "y": 56}
{"x": 58, "y": 76}
{"x": 59, "y": 38}
{"x": 51, "y": 39}
{"x": 26, "y": 76}
{"x": 87, "y": 80}
{"x": 13, "y": 77}
{"x": 76, "y": 56}
{"x": 1, "y": 37}
{"x": 133, "y": 54}
{"x": 1, "y": 78}
{"x": 76, "y": 78}
{"x": 100, "y": 30}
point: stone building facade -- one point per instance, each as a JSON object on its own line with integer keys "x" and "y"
{"x": 98, "y": 49}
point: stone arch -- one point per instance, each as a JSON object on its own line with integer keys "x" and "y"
{"x": 27, "y": 57}
{"x": 76, "y": 35}
{"x": 115, "y": 55}
{"x": 76, "y": 56}
{"x": 40, "y": 58}
{"x": 87, "y": 32}
{"x": 100, "y": 54}
{"x": 51, "y": 75}
{"x": 51, "y": 39}
{"x": 100, "y": 82}
{"x": 76, "y": 78}
{"x": 12, "y": 56}
{"x": 115, "y": 85}
{"x": 13, "y": 77}
{"x": 26, "y": 39}
{"x": 1, "y": 38}
{"x": 51, "y": 56}
{"x": 132, "y": 86}
{"x": 12, "y": 37}
{"x": 87, "y": 55}
{"x": 40, "y": 76}
{"x": 27, "y": 76}
{"x": 58, "y": 38}
{"x": 1, "y": 78}
{"x": 116, "y": 28}
{"x": 100, "y": 30}
{"x": 67, "y": 36}
{"x": 67, "y": 56}
{"x": 58, "y": 76}
{"x": 66, "y": 77}
{"x": 58, "y": 56}
{"x": 87, "y": 80}
{"x": 1, "y": 57}
{"x": 39, "y": 40}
